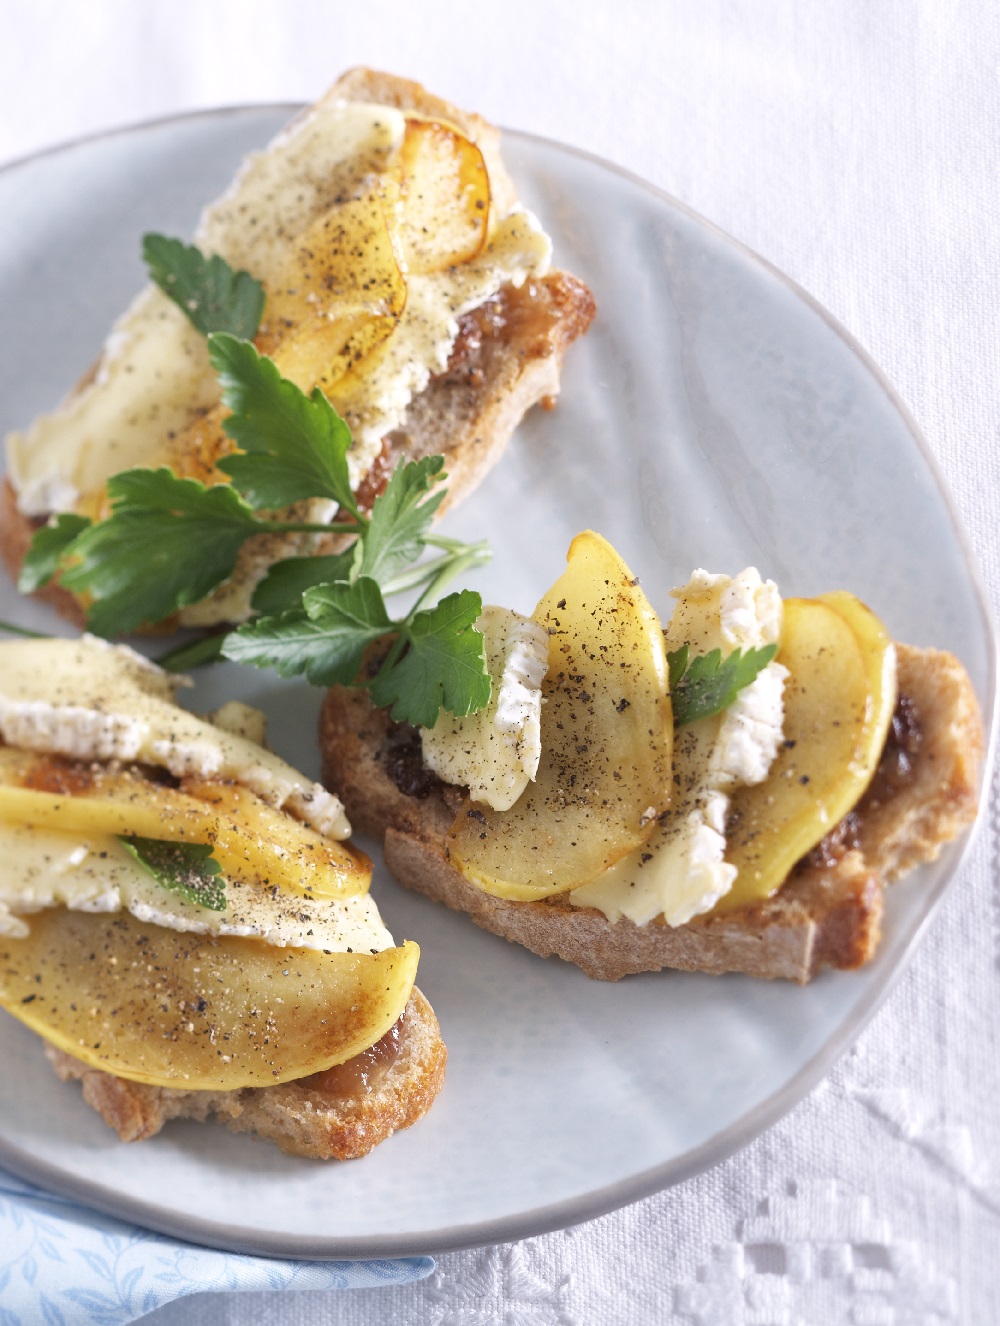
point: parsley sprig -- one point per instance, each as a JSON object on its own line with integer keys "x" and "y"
{"x": 169, "y": 542}
{"x": 708, "y": 683}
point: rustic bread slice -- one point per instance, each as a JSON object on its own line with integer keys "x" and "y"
{"x": 507, "y": 358}
{"x": 827, "y": 914}
{"x": 332, "y": 1116}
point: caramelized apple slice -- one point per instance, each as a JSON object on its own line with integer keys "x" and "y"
{"x": 839, "y": 700}
{"x": 604, "y": 774}
{"x": 250, "y": 840}
{"x": 342, "y": 293}
{"x": 445, "y": 193}
{"x": 338, "y": 297}
{"x": 282, "y": 848}
{"x": 178, "y": 1010}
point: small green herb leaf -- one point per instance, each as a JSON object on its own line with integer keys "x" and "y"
{"x": 285, "y": 583}
{"x": 185, "y": 868}
{"x": 47, "y": 549}
{"x": 214, "y": 296}
{"x": 677, "y": 662}
{"x": 325, "y": 639}
{"x": 401, "y": 517}
{"x": 168, "y": 542}
{"x": 444, "y": 665}
{"x": 707, "y": 683}
{"x": 294, "y": 445}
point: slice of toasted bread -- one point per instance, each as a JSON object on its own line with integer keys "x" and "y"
{"x": 316, "y": 1117}
{"x": 507, "y": 357}
{"x": 827, "y": 914}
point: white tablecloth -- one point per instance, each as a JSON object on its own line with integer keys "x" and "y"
{"x": 855, "y": 144}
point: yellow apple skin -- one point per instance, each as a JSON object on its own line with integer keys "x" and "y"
{"x": 839, "y": 701}
{"x": 607, "y": 731}
{"x": 445, "y": 192}
{"x": 179, "y": 1010}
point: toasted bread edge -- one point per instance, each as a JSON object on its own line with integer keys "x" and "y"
{"x": 299, "y": 1118}
{"x": 823, "y": 916}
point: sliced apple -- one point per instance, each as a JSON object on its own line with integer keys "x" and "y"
{"x": 338, "y": 296}
{"x": 604, "y": 774}
{"x": 445, "y": 192}
{"x": 250, "y": 840}
{"x": 179, "y": 1010}
{"x": 291, "y": 853}
{"x": 839, "y": 701}
{"x": 341, "y": 295}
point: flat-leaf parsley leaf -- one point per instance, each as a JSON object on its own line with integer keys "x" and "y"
{"x": 706, "y": 684}
{"x": 168, "y": 542}
{"x": 325, "y": 639}
{"x": 212, "y": 295}
{"x": 444, "y": 665}
{"x": 189, "y": 869}
{"x": 294, "y": 446}
{"x": 47, "y": 547}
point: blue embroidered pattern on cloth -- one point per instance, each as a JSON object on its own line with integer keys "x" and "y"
{"x": 64, "y": 1265}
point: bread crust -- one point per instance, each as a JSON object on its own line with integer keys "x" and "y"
{"x": 827, "y": 914}
{"x": 467, "y": 418}
{"x": 16, "y": 532}
{"x": 301, "y": 1118}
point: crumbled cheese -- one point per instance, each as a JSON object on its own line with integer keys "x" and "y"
{"x": 495, "y": 752}
{"x": 682, "y": 871}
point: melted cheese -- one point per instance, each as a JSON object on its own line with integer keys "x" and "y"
{"x": 46, "y": 868}
{"x": 87, "y": 699}
{"x": 154, "y": 376}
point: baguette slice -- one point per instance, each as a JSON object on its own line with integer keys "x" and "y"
{"x": 827, "y": 914}
{"x": 507, "y": 357}
{"x": 322, "y": 1117}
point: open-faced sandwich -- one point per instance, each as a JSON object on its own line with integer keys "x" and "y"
{"x": 375, "y": 252}
{"x": 730, "y": 793}
{"x": 183, "y": 922}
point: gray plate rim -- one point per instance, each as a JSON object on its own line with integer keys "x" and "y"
{"x": 544, "y": 1219}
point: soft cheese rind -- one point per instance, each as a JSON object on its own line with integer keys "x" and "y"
{"x": 47, "y": 868}
{"x": 495, "y": 751}
{"x": 87, "y": 699}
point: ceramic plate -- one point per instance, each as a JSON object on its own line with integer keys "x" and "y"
{"x": 715, "y": 417}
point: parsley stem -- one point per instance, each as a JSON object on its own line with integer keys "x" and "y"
{"x": 451, "y": 545}
{"x": 478, "y": 554}
{"x": 401, "y": 640}
{"x": 206, "y": 649}
{"x": 472, "y": 554}
{"x": 11, "y": 629}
